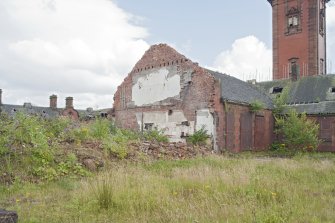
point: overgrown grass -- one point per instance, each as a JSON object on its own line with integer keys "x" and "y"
{"x": 212, "y": 189}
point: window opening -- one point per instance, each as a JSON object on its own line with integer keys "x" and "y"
{"x": 148, "y": 126}
{"x": 277, "y": 90}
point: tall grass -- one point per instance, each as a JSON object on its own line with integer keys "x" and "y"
{"x": 213, "y": 189}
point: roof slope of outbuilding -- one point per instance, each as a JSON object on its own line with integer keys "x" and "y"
{"x": 235, "y": 90}
{"x": 313, "y": 94}
{"x": 311, "y": 89}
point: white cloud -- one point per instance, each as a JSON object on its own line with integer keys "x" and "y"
{"x": 68, "y": 47}
{"x": 248, "y": 58}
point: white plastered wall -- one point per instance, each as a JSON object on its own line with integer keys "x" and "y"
{"x": 205, "y": 119}
{"x": 155, "y": 86}
{"x": 171, "y": 123}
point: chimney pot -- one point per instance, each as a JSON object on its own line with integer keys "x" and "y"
{"x": 69, "y": 102}
{"x": 53, "y": 101}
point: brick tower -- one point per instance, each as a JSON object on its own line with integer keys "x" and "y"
{"x": 299, "y": 38}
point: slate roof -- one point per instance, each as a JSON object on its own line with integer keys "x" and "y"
{"x": 306, "y": 90}
{"x": 324, "y": 107}
{"x": 235, "y": 90}
{"x": 312, "y": 94}
{"x": 45, "y": 112}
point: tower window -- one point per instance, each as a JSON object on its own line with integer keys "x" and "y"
{"x": 322, "y": 22}
{"x": 293, "y": 21}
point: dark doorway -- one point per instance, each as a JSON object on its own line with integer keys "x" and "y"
{"x": 230, "y": 136}
{"x": 246, "y": 131}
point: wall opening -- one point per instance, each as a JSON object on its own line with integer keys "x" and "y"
{"x": 277, "y": 90}
{"x": 148, "y": 126}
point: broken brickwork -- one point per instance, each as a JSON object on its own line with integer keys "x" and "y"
{"x": 167, "y": 91}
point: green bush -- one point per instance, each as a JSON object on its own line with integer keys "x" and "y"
{"x": 299, "y": 132}
{"x": 28, "y": 145}
{"x": 155, "y": 135}
{"x": 256, "y": 106}
{"x": 100, "y": 128}
{"x": 199, "y": 137}
{"x": 55, "y": 127}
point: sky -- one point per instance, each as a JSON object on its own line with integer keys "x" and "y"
{"x": 85, "y": 48}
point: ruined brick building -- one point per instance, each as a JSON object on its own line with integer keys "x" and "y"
{"x": 168, "y": 91}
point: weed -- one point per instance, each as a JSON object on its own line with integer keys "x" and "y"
{"x": 103, "y": 191}
{"x": 155, "y": 135}
{"x": 256, "y": 106}
{"x": 199, "y": 137}
{"x": 100, "y": 128}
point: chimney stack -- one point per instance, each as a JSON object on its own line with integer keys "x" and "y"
{"x": 69, "y": 102}
{"x": 53, "y": 101}
{"x": 0, "y": 96}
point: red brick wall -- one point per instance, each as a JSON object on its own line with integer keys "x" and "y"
{"x": 71, "y": 113}
{"x": 326, "y": 132}
{"x": 307, "y": 45}
{"x": 232, "y": 141}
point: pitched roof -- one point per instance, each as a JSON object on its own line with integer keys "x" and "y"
{"x": 45, "y": 112}
{"x": 313, "y": 94}
{"x": 235, "y": 90}
{"x": 311, "y": 89}
{"x": 324, "y": 107}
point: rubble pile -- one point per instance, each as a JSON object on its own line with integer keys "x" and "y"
{"x": 176, "y": 150}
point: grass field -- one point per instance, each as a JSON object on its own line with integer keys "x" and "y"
{"x": 242, "y": 188}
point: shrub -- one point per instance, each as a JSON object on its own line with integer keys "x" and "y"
{"x": 281, "y": 100}
{"x": 117, "y": 144}
{"x": 55, "y": 127}
{"x": 100, "y": 128}
{"x": 199, "y": 137}
{"x": 299, "y": 132}
{"x": 155, "y": 135}
{"x": 28, "y": 146}
{"x": 256, "y": 106}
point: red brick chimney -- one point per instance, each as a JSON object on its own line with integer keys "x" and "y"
{"x": 69, "y": 102}
{"x": 53, "y": 101}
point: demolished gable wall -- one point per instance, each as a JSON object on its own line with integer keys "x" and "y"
{"x": 168, "y": 91}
